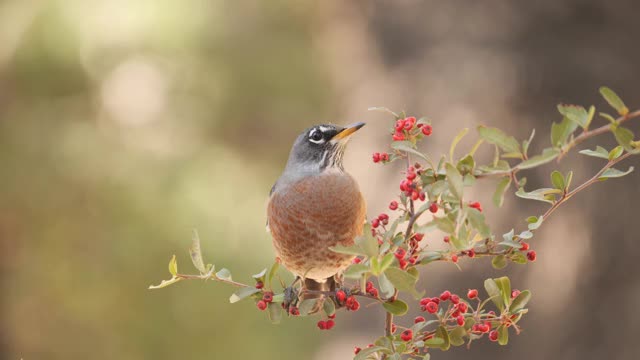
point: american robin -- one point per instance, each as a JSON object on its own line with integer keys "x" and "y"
{"x": 314, "y": 205}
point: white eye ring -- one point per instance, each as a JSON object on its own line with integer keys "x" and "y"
{"x": 313, "y": 133}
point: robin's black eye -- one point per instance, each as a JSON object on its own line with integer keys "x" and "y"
{"x": 316, "y": 136}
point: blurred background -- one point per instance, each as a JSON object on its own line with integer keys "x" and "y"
{"x": 125, "y": 124}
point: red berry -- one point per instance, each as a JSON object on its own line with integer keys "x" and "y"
{"x": 375, "y": 223}
{"x": 393, "y": 205}
{"x": 393, "y": 328}
{"x": 454, "y": 258}
{"x": 455, "y": 299}
{"x": 476, "y": 205}
{"x": 267, "y": 296}
{"x": 462, "y": 306}
{"x": 322, "y": 325}
{"x": 356, "y": 260}
{"x": 399, "y": 125}
{"x": 484, "y": 327}
{"x": 369, "y": 285}
{"x": 415, "y": 195}
{"x": 431, "y": 307}
{"x": 383, "y": 217}
{"x": 341, "y": 296}
{"x": 406, "y": 335}
{"x": 471, "y": 253}
{"x": 330, "y": 324}
{"x": 356, "y": 350}
{"x": 424, "y": 301}
{"x": 332, "y": 316}
{"x": 294, "y": 311}
{"x": 531, "y": 255}
{"x": 411, "y": 175}
{"x": 402, "y": 263}
{"x": 460, "y": 320}
{"x": 524, "y": 247}
{"x": 259, "y": 285}
{"x": 400, "y": 253}
{"x": 418, "y": 236}
{"x": 446, "y": 239}
{"x": 384, "y": 157}
{"x": 445, "y": 295}
{"x": 261, "y": 305}
{"x": 373, "y": 292}
{"x": 418, "y": 319}
{"x": 472, "y": 294}
{"x": 515, "y": 293}
{"x": 398, "y": 137}
{"x": 409, "y": 122}
{"x": 433, "y": 208}
{"x": 427, "y": 129}
{"x": 493, "y": 336}
{"x": 422, "y": 196}
{"x": 413, "y": 260}
{"x": 376, "y": 157}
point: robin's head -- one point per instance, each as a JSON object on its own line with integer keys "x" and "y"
{"x": 320, "y": 148}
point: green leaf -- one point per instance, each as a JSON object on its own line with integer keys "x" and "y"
{"x": 504, "y": 284}
{"x": 386, "y": 287}
{"x": 599, "y": 152}
{"x": 567, "y": 180}
{"x": 396, "y": 307}
{"x": 466, "y": 164}
{"x": 575, "y": 113}
{"x": 272, "y": 273}
{"x": 224, "y": 274}
{"x": 501, "y": 166}
{"x": 173, "y": 266}
{"x": 165, "y": 283}
{"x": 561, "y": 131}
{"x": 518, "y": 258}
{"x": 456, "y": 336}
{"x": 442, "y": 333}
{"x": 407, "y": 147}
{"x": 526, "y": 143}
{"x": 614, "y": 100}
{"x": 503, "y": 335}
{"x": 275, "y": 312}
{"x": 454, "y": 179}
{"x": 307, "y": 305}
{"x": 534, "y": 222}
{"x": 455, "y": 142}
{"x": 355, "y": 271}
{"x": 499, "y": 262}
{"x": 616, "y": 152}
{"x": 624, "y": 137}
{"x": 434, "y": 342}
{"x": 547, "y": 155}
{"x": 329, "y": 306}
{"x": 557, "y": 180}
{"x": 386, "y": 261}
{"x": 496, "y": 136}
{"x": 609, "y": 118}
{"x": 493, "y": 291}
{"x": 445, "y": 224}
{"x": 520, "y": 301}
{"x": 614, "y": 173}
{"x": 349, "y": 250}
{"x": 259, "y": 275}
{"x": 400, "y": 279}
{"x": 543, "y": 194}
{"x": 477, "y": 221}
{"x": 501, "y": 189}
{"x": 592, "y": 111}
{"x": 196, "y": 253}
{"x": 367, "y": 242}
{"x": 242, "y": 293}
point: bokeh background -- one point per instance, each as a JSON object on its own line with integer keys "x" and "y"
{"x": 125, "y": 124}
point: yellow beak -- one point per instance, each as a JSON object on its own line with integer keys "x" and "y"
{"x": 348, "y": 131}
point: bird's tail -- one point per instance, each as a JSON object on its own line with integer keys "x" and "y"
{"x": 314, "y": 285}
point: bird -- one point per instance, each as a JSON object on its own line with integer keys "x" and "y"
{"x": 314, "y": 205}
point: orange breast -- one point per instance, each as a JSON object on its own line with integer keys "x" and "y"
{"x": 308, "y": 216}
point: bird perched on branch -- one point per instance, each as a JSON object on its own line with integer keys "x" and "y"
{"x": 314, "y": 205}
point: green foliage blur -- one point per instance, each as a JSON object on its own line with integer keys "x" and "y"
{"x": 123, "y": 125}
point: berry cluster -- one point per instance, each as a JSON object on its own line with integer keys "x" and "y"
{"x": 267, "y": 297}
{"x": 407, "y": 128}
{"x": 327, "y": 324}
{"x": 349, "y": 301}
{"x": 371, "y": 290}
{"x": 378, "y": 157}
{"x": 410, "y": 185}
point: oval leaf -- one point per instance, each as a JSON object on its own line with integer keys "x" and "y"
{"x": 614, "y": 100}
{"x": 520, "y": 301}
{"x": 242, "y": 293}
{"x": 396, "y": 307}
